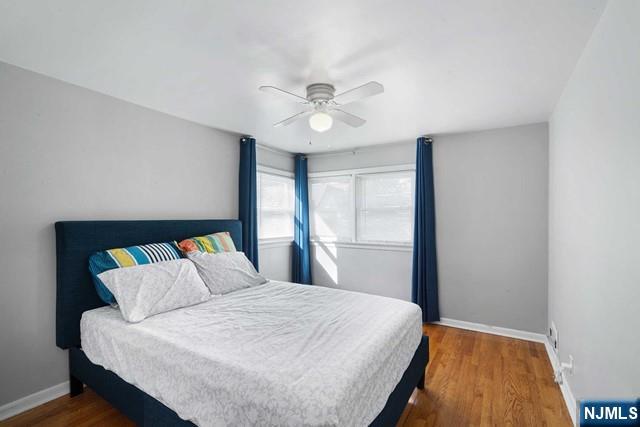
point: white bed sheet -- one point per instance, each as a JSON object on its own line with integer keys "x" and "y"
{"x": 276, "y": 354}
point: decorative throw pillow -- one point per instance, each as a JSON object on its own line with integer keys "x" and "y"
{"x": 145, "y": 290}
{"x": 128, "y": 257}
{"x": 211, "y": 243}
{"x": 225, "y": 272}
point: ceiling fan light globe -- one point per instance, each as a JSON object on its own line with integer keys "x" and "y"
{"x": 320, "y": 121}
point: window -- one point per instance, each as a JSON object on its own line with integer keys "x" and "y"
{"x": 384, "y": 207}
{"x": 275, "y": 206}
{"x": 331, "y": 208}
{"x": 363, "y": 206}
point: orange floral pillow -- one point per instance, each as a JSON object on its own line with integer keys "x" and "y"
{"x": 211, "y": 243}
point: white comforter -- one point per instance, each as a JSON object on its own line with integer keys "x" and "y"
{"x": 277, "y": 354}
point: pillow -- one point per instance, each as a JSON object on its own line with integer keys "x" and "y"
{"x": 226, "y": 272}
{"x": 127, "y": 257}
{"x": 145, "y": 290}
{"x": 211, "y": 243}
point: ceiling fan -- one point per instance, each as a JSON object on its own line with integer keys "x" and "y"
{"x": 323, "y": 106}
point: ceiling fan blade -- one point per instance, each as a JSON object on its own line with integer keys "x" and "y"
{"x": 355, "y": 94}
{"x": 284, "y": 94}
{"x": 288, "y": 121}
{"x": 347, "y": 118}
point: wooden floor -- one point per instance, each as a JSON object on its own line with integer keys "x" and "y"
{"x": 473, "y": 379}
{"x": 476, "y": 379}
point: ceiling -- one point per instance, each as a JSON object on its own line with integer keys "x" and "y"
{"x": 447, "y": 66}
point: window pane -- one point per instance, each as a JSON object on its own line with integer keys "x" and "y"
{"x": 275, "y": 206}
{"x": 276, "y": 224}
{"x": 385, "y": 207}
{"x": 331, "y": 208}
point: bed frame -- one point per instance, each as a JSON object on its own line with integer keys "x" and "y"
{"x": 76, "y": 240}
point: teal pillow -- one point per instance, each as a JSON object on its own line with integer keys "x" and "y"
{"x": 128, "y": 257}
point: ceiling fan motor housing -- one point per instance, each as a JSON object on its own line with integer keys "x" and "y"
{"x": 322, "y": 105}
{"x": 320, "y": 93}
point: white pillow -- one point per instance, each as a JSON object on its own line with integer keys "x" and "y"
{"x": 145, "y": 290}
{"x": 225, "y": 272}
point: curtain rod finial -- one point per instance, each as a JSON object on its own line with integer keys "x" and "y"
{"x": 427, "y": 139}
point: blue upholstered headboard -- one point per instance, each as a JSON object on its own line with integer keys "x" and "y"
{"x": 76, "y": 240}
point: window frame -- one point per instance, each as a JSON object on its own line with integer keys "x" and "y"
{"x": 354, "y": 242}
{"x": 358, "y": 208}
{"x": 352, "y": 213}
{"x": 265, "y": 170}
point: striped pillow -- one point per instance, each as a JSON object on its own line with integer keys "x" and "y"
{"x": 211, "y": 243}
{"x": 128, "y": 257}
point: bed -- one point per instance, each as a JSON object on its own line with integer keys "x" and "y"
{"x": 249, "y": 349}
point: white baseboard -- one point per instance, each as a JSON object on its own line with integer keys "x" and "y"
{"x": 38, "y": 398}
{"x": 567, "y": 394}
{"x": 565, "y": 388}
{"x": 495, "y": 330}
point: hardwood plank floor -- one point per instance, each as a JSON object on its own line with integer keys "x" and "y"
{"x": 473, "y": 379}
{"x": 477, "y": 379}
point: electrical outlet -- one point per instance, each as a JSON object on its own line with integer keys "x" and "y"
{"x": 563, "y": 369}
{"x": 553, "y": 336}
{"x": 570, "y": 366}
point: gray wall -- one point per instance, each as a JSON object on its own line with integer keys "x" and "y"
{"x": 594, "y": 210}
{"x": 403, "y": 153}
{"x": 491, "y": 214}
{"x": 376, "y": 271}
{"x": 273, "y": 158}
{"x": 69, "y": 153}
{"x": 491, "y": 211}
{"x": 275, "y": 261}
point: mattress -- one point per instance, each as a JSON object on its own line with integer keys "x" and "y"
{"x": 277, "y": 354}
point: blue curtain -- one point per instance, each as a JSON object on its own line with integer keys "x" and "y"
{"x": 301, "y": 254}
{"x": 424, "y": 291}
{"x": 247, "y": 206}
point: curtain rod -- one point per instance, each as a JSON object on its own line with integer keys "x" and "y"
{"x": 360, "y": 149}
{"x": 274, "y": 150}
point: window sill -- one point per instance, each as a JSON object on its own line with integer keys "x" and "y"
{"x": 381, "y": 246}
{"x": 275, "y": 242}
